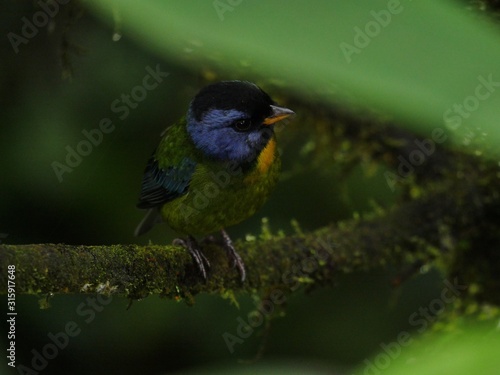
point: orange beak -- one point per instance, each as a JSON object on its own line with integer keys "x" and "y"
{"x": 278, "y": 114}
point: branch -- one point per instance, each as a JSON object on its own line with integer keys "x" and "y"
{"x": 413, "y": 233}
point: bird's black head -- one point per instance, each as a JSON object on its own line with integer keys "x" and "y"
{"x": 242, "y": 96}
{"x": 233, "y": 120}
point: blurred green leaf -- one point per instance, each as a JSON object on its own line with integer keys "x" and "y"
{"x": 412, "y": 60}
{"x": 473, "y": 351}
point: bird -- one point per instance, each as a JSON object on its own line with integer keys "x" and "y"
{"x": 214, "y": 168}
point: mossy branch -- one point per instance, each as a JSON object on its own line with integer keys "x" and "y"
{"x": 138, "y": 271}
{"x": 411, "y": 234}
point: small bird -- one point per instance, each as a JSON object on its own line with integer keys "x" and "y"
{"x": 215, "y": 167}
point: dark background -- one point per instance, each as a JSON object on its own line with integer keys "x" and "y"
{"x": 43, "y": 112}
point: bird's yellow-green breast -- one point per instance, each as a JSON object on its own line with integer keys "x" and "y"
{"x": 220, "y": 194}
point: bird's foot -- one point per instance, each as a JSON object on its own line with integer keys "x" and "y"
{"x": 199, "y": 258}
{"x": 233, "y": 256}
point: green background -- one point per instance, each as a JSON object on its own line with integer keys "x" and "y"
{"x": 428, "y": 57}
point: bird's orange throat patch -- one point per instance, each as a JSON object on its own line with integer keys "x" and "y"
{"x": 267, "y": 156}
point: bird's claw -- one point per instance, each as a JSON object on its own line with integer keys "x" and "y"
{"x": 199, "y": 258}
{"x": 233, "y": 256}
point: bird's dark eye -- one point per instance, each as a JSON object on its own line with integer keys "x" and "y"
{"x": 242, "y": 125}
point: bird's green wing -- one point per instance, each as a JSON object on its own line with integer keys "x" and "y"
{"x": 161, "y": 185}
{"x": 167, "y": 175}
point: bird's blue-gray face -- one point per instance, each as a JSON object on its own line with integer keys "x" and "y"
{"x": 233, "y": 120}
{"x": 229, "y": 135}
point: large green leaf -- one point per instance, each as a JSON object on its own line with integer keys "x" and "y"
{"x": 412, "y": 60}
{"x": 472, "y": 351}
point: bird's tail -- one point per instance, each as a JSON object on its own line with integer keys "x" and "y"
{"x": 151, "y": 218}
